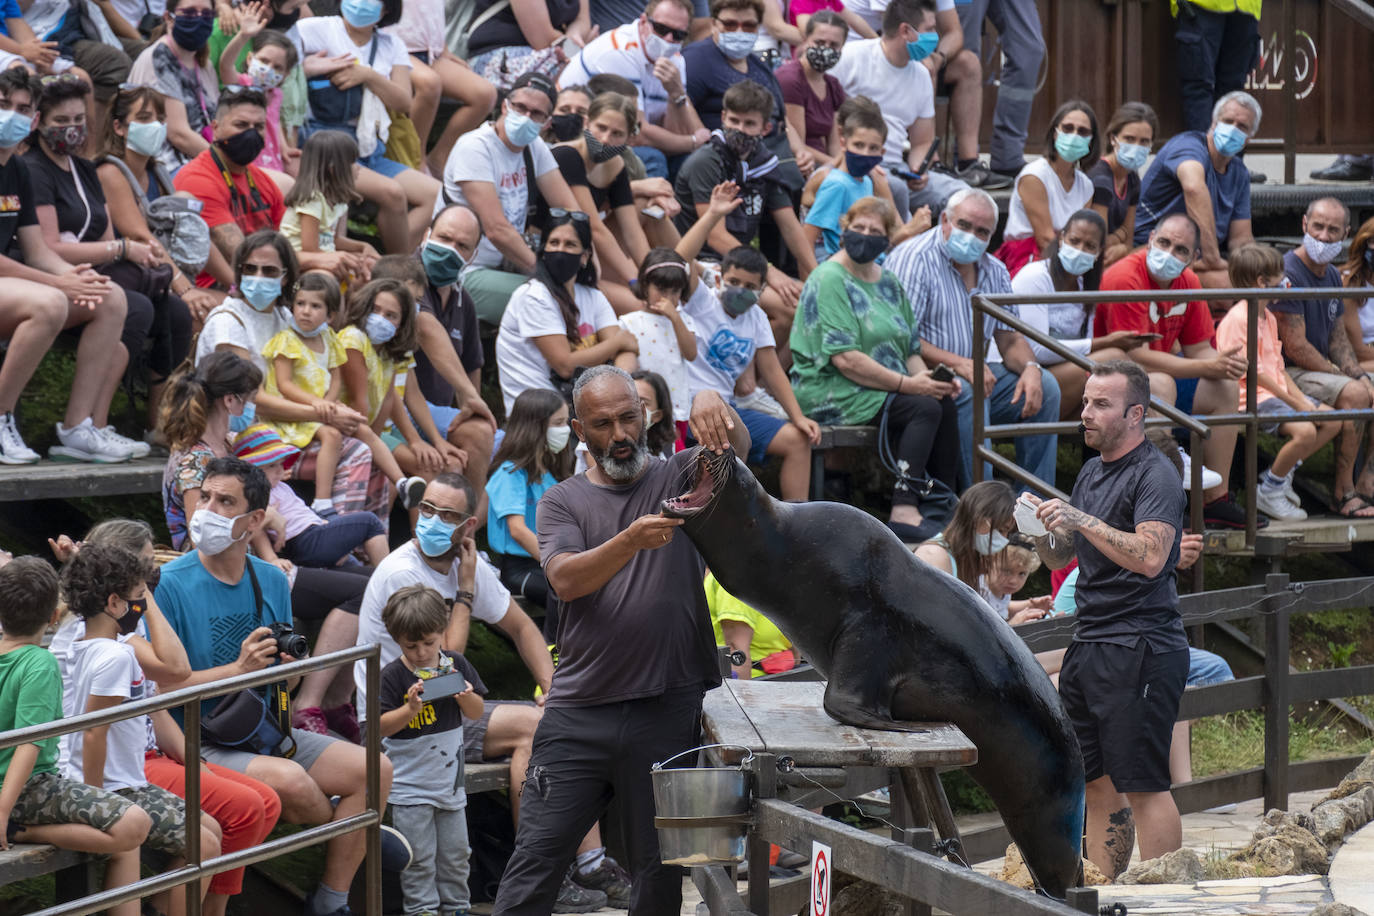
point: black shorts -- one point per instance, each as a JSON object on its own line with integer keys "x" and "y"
{"x": 1123, "y": 702}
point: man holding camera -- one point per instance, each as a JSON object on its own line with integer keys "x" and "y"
{"x": 225, "y": 606}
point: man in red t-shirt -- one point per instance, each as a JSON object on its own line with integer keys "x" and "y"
{"x": 1183, "y": 349}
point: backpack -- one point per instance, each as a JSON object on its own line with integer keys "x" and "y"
{"x": 176, "y": 221}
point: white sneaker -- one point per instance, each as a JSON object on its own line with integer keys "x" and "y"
{"x": 1274, "y": 504}
{"x": 411, "y": 491}
{"x": 1288, "y": 493}
{"x": 1210, "y": 478}
{"x": 83, "y": 442}
{"x": 135, "y": 448}
{"x": 763, "y": 402}
{"x": 12, "y": 447}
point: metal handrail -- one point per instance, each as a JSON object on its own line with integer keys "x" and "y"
{"x": 190, "y": 698}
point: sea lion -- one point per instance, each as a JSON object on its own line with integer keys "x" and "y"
{"x": 899, "y": 642}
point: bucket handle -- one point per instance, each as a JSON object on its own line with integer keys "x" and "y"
{"x": 748, "y": 754}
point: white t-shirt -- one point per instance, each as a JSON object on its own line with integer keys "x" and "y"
{"x": 405, "y": 566}
{"x": 1063, "y": 321}
{"x": 725, "y": 345}
{"x": 421, "y": 28}
{"x": 134, "y": 10}
{"x": 905, "y": 94}
{"x": 238, "y": 324}
{"x": 106, "y": 668}
{"x": 620, "y": 52}
{"x": 1062, "y": 203}
{"x": 330, "y": 35}
{"x": 659, "y": 352}
{"x": 1367, "y": 320}
{"x": 871, "y": 11}
{"x": 481, "y": 155}
{"x": 533, "y": 312}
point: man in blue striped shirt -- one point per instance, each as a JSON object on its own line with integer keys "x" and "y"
{"x": 942, "y": 270}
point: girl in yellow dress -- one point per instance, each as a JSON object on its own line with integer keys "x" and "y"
{"x": 305, "y": 365}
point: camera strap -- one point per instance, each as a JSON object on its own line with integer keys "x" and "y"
{"x": 278, "y": 700}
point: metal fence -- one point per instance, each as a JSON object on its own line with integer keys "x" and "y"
{"x": 195, "y": 869}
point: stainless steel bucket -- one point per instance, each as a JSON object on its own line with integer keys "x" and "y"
{"x": 702, "y": 812}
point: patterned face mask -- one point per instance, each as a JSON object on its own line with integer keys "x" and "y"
{"x": 66, "y": 139}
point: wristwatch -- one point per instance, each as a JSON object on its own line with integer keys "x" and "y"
{"x": 680, "y": 99}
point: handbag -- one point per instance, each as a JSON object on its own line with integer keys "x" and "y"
{"x": 246, "y": 721}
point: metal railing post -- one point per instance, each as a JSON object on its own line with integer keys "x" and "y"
{"x": 191, "y": 763}
{"x": 374, "y": 785}
{"x": 1277, "y": 693}
{"x": 1195, "y": 500}
{"x": 979, "y": 360}
{"x": 1290, "y": 91}
{"x": 1251, "y": 428}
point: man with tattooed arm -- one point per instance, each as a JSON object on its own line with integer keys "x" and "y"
{"x": 1126, "y": 668}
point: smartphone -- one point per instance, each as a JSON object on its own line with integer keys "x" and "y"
{"x": 1149, "y": 337}
{"x": 925, "y": 164}
{"x": 445, "y": 685}
{"x": 654, "y": 211}
{"x": 942, "y": 373}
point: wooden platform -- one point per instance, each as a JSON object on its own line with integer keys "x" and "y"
{"x": 1316, "y": 534}
{"x": 69, "y": 480}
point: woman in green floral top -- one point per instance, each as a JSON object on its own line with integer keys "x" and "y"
{"x": 856, "y": 351}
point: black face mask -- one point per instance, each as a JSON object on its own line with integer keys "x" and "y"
{"x": 565, "y": 127}
{"x": 599, "y": 151}
{"x": 862, "y": 248}
{"x": 740, "y": 143}
{"x": 562, "y": 265}
{"x": 822, "y": 59}
{"x": 242, "y": 148}
{"x": 283, "y": 22}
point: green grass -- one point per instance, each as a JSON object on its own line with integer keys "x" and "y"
{"x": 1235, "y": 741}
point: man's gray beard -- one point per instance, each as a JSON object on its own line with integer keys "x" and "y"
{"x": 628, "y": 469}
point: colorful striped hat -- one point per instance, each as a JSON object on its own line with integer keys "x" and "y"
{"x": 261, "y": 445}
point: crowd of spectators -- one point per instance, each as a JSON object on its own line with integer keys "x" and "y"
{"x": 298, "y": 224}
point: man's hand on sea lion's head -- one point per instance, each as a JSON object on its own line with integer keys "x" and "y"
{"x": 711, "y": 421}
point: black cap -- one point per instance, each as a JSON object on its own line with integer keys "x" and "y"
{"x": 538, "y": 82}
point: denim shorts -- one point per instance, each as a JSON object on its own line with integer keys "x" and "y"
{"x": 1274, "y": 407}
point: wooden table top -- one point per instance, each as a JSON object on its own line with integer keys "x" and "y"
{"x": 786, "y": 718}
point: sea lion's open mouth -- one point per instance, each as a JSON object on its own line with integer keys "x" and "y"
{"x": 699, "y": 497}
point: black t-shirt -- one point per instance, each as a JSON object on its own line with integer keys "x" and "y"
{"x": 502, "y": 31}
{"x": 1320, "y": 316}
{"x": 574, "y": 171}
{"x": 708, "y": 167}
{"x": 1114, "y": 604}
{"x": 647, "y": 631}
{"x": 396, "y": 679}
{"x": 460, "y": 320}
{"x": 79, "y": 211}
{"x": 1104, "y": 193}
{"x": 16, "y": 201}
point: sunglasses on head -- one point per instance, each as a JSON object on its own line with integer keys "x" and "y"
{"x": 576, "y": 216}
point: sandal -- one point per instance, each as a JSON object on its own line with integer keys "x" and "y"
{"x": 1362, "y": 508}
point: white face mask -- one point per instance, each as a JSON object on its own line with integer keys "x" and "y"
{"x": 556, "y": 437}
{"x": 213, "y": 533}
{"x": 990, "y": 542}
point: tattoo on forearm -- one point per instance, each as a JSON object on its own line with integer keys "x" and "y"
{"x": 227, "y": 237}
{"x": 1152, "y": 539}
{"x": 1342, "y": 354}
{"x": 1293, "y": 336}
{"x": 1120, "y": 840}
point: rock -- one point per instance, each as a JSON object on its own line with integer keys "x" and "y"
{"x": 1182, "y": 866}
{"x": 1015, "y": 873}
{"x": 1336, "y": 909}
{"x": 1334, "y": 819}
{"x": 1287, "y": 850}
{"x": 864, "y": 899}
{"x": 1360, "y": 778}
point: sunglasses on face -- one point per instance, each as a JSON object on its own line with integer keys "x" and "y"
{"x": 667, "y": 31}
{"x": 1081, "y": 131}
{"x": 450, "y": 516}
{"x": 260, "y": 270}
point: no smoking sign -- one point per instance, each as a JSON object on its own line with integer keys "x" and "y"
{"x": 820, "y": 879}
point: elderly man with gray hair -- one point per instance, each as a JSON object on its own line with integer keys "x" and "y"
{"x": 1200, "y": 173}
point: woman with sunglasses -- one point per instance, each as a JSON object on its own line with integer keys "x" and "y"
{"x": 177, "y": 65}
{"x": 1050, "y": 189}
{"x": 559, "y": 322}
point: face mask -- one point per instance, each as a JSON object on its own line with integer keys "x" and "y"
{"x": 64, "y": 140}
{"x": 737, "y": 45}
{"x": 243, "y": 421}
{"x": 736, "y": 300}
{"x": 822, "y": 59}
{"x": 14, "y": 128}
{"x": 565, "y": 127}
{"x": 442, "y": 263}
{"x": 361, "y": 13}
{"x": 314, "y": 332}
{"x": 657, "y": 47}
{"x": 740, "y": 143}
{"x": 562, "y": 265}
{"x": 1228, "y": 139}
{"x": 862, "y": 248}
{"x": 1075, "y": 261}
{"x": 211, "y": 532}
{"x": 1163, "y": 266}
{"x": 1319, "y": 251}
{"x": 264, "y": 76}
{"x": 434, "y": 535}
{"x": 242, "y": 148}
{"x": 283, "y": 22}
{"x": 556, "y": 438}
{"x": 378, "y": 329}
{"x": 146, "y": 137}
{"x": 1071, "y": 147}
{"x": 520, "y": 130}
{"x": 859, "y": 166}
{"x": 923, "y": 46}
{"x": 1131, "y": 156}
{"x": 260, "y": 292}
{"x": 990, "y": 542}
{"x": 964, "y": 247}
{"x": 599, "y": 151}
{"x": 192, "y": 32}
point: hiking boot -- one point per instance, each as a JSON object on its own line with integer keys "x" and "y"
{"x": 12, "y": 447}
{"x": 1273, "y": 503}
{"x": 135, "y": 448}
{"x": 979, "y": 175}
{"x": 84, "y": 442}
{"x": 1345, "y": 169}
{"x": 609, "y": 878}
{"x": 574, "y": 898}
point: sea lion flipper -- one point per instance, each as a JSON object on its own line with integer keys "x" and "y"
{"x": 844, "y": 704}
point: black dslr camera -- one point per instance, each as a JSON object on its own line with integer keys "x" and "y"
{"x": 289, "y": 642}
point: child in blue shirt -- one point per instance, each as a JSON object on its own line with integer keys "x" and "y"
{"x": 863, "y": 133}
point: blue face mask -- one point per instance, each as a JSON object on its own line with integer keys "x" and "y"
{"x": 442, "y": 263}
{"x": 1163, "y": 266}
{"x": 314, "y": 332}
{"x": 1074, "y": 261}
{"x": 146, "y": 137}
{"x": 964, "y": 247}
{"x": 434, "y": 535}
{"x": 990, "y": 542}
{"x": 737, "y": 45}
{"x": 260, "y": 292}
{"x": 378, "y": 329}
{"x": 14, "y": 128}
{"x": 520, "y": 130}
{"x": 859, "y": 166}
{"x": 1071, "y": 147}
{"x": 361, "y": 13}
{"x": 923, "y": 46}
{"x": 1131, "y": 156}
{"x": 244, "y": 420}
{"x": 1229, "y": 139}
